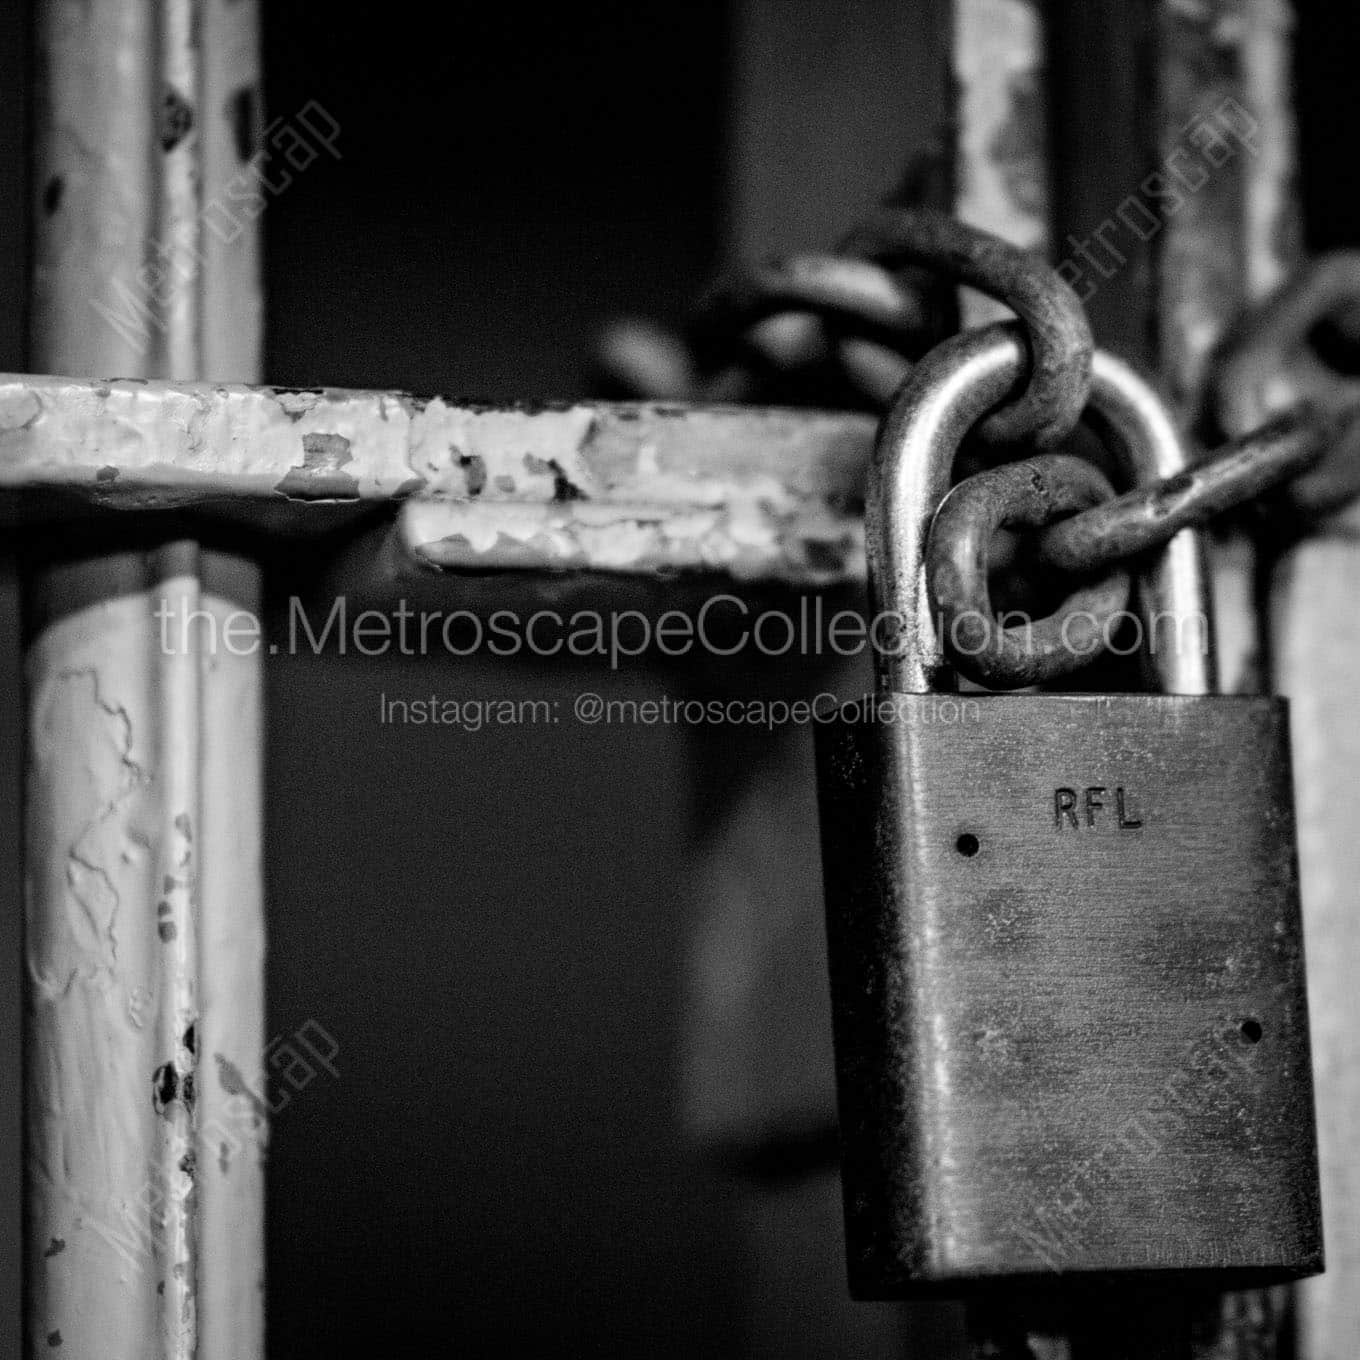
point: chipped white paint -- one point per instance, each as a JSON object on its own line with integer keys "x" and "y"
{"x": 1274, "y": 234}
{"x": 142, "y": 854}
{"x": 175, "y": 711}
{"x": 1000, "y": 151}
{"x": 111, "y": 800}
{"x": 232, "y": 1116}
{"x": 615, "y": 487}
{"x": 177, "y": 222}
{"x": 93, "y": 181}
{"x": 145, "y": 951}
{"x": 230, "y": 121}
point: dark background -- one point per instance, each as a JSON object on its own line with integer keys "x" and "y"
{"x": 491, "y": 928}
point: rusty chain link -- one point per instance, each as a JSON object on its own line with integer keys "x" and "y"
{"x": 1271, "y": 362}
{"x": 1059, "y": 335}
{"x": 865, "y": 297}
{"x": 1292, "y": 420}
{"x": 1296, "y": 422}
{"x": 1026, "y": 495}
{"x": 1239, "y": 473}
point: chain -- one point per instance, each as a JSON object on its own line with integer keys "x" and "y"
{"x": 1292, "y": 420}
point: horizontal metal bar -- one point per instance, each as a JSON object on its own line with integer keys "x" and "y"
{"x": 760, "y": 493}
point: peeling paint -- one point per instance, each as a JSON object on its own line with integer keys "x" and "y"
{"x": 1002, "y": 148}
{"x": 234, "y": 1084}
{"x": 325, "y": 452}
{"x": 639, "y": 463}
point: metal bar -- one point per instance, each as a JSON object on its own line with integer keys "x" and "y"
{"x": 94, "y": 185}
{"x": 231, "y": 117}
{"x": 174, "y": 863}
{"x": 109, "y": 980}
{"x": 1001, "y": 117}
{"x": 1217, "y": 248}
{"x": 762, "y": 493}
{"x": 1313, "y": 644}
{"x": 1201, "y": 256}
{"x": 232, "y": 1128}
{"x": 1315, "y": 641}
{"x": 230, "y": 1038}
{"x": 144, "y": 906}
{"x": 177, "y": 219}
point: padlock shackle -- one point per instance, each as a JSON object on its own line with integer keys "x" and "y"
{"x": 947, "y": 393}
{"x": 1174, "y": 588}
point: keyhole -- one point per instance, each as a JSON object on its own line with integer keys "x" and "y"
{"x": 1251, "y": 1031}
{"x": 967, "y": 845}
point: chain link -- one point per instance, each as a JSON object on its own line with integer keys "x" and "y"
{"x": 1239, "y": 473}
{"x": 1293, "y": 421}
{"x": 1026, "y": 495}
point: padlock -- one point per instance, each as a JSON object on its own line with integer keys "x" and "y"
{"x": 1066, "y": 956}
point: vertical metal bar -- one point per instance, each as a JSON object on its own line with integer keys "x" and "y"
{"x": 94, "y": 184}
{"x": 1219, "y": 101}
{"x": 144, "y": 920}
{"x": 1201, "y": 276}
{"x": 231, "y": 128}
{"x": 177, "y": 220}
{"x": 231, "y": 1034}
{"x": 175, "y": 867}
{"x": 110, "y": 810}
{"x": 1314, "y": 647}
{"x": 1274, "y": 218}
{"x": 232, "y": 1114}
{"x": 1001, "y": 152}
{"x": 1315, "y": 643}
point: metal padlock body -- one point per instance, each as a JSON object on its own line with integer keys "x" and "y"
{"x": 1067, "y": 974}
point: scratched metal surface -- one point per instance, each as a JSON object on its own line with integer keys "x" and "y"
{"x": 1071, "y": 1026}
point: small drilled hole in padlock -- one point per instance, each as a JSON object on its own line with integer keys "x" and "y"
{"x": 1251, "y": 1031}
{"x": 967, "y": 845}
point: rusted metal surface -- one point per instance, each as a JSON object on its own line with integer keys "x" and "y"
{"x": 947, "y": 393}
{"x": 1056, "y": 328}
{"x": 1236, "y": 475}
{"x": 985, "y": 1138}
{"x": 1029, "y": 494}
{"x": 872, "y": 300}
{"x": 1271, "y": 362}
{"x": 954, "y": 1172}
